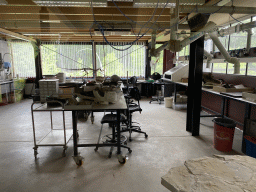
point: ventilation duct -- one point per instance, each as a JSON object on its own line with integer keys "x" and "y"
{"x": 223, "y": 51}
{"x": 209, "y": 58}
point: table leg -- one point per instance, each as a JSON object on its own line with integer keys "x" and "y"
{"x": 74, "y": 121}
{"x": 247, "y": 116}
{"x": 223, "y": 106}
{"x": 175, "y": 92}
{"x": 118, "y": 133}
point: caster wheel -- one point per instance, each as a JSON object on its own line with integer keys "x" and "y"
{"x": 146, "y": 136}
{"x": 92, "y": 119}
{"x": 125, "y": 143}
{"x": 130, "y": 151}
{"x": 122, "y": 161}
{"x": 130, "y": 139}
{"x": 80, "y": 162}
{"x": 96, "y": 149}
{"x": 149, "y": 102}
{"x": 64, "y": 154}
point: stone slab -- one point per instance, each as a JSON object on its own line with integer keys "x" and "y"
{"x": 213, "y": 174}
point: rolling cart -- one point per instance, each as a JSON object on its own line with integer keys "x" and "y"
{"x": 55, "y": 137}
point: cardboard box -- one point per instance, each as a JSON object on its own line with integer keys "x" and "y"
{"x": 66, "y": 92}
{"x": 223, "y": 89}
{"x": 184, "y": 80}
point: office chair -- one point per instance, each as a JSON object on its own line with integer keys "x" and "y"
{"x": 111, "y": 119}
{"x": 133, "y": 107}
{"x": 159, "y": 97}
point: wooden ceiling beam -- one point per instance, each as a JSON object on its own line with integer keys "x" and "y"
{"x": 15, "y": 35}
{"x": 82, "y": 10}
{"x": 20, "y": 2}
{"x": 36, "y": 17}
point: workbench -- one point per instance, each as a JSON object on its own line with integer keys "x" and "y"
{"x": 117, "y": 107}
{"x": 224, "y": 107}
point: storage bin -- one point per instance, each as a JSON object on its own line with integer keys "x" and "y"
{"x": 250, "y": 146}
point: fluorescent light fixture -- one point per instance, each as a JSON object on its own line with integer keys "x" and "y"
{"x": 71, "y": 3}
{"x": 50, "y": 21}
{"x": 41, "y": 34}
{"x": 171, "y": 3}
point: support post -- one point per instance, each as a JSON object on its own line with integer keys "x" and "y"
{"x": 38, "y": 64}
{"x": 148, "y": 59}
{"x": 195, "y": 86}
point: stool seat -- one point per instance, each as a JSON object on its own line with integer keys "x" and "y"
{"x": 111, "y": 118}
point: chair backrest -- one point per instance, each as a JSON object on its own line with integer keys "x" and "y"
{"x": 135, "y": 93}
{"x": 133, "y": 80}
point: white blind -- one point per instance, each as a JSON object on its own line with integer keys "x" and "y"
{"x": 70, "y": 58}
{"x": 119, "y": 62}
{"x": 23, "y": 59}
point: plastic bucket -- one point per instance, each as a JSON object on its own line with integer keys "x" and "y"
{"x": 223, "y": 134}
{"x": 250, "y": 143}
{"x": 168, "y": 102}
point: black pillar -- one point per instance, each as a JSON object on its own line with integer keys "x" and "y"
{"x": 195, "y": 86}
{"x": 37, "y": 63}
{"x": 148, "y": 59}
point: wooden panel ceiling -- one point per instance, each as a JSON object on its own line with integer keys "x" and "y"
{"x": 82, "y": 24}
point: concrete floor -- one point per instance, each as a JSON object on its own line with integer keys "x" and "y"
{"x": 167, "y": 146}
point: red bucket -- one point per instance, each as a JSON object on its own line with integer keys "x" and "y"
{"x": 223, "y": 134}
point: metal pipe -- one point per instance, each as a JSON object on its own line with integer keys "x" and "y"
{"x": 223, "y": 51}
{"x": 249, "y": 40}
{"x": 209, "y": 58}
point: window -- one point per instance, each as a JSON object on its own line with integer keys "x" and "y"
{"x": 253, "y": 43}
{"x": 121, "y": 62}
{"x": 208, "y": 45}
{"x": 184, "y": 51}
{"x": 251, "y": 69}
{"x": 242, "y": 68}
{"x": 157, "y": 62}
{"x": 219, "y": 67}
{"x": 23, "y": 59}
{"x": 70, "y": 58}
{"x": 238, "y": 40}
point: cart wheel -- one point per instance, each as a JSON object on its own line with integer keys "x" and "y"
{"x": 149, "y": 102}
{"x": 96, "y": 149}
{"x": 35, "y": 152}
{"x": 130, "y": 151}
{"x": 146, "y": 136}
{"x": 92, "y": 119}
{"x": 130, "y": 139}
{"x": 125, "y": 143}
{"x": 122, "y": 160}
{"x": 79, "y": 163}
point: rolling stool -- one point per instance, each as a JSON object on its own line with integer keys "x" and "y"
{"x": 111, "y": 119}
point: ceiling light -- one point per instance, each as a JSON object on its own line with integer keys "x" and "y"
{"x": 50, "y": 21}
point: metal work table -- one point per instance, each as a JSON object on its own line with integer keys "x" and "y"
{"x": 224, "y": 107}
{"x": 55, "y": 137}
{"x": 116, "y": 107}
{"x": 95, "y": 107}
{"x": 4, "y": 89}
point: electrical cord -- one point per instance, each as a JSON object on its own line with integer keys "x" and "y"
{"x": 131, "y": 43}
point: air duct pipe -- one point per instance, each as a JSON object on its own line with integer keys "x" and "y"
{"x": 209, "y": 58}
{"x": 223, "y": 51}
